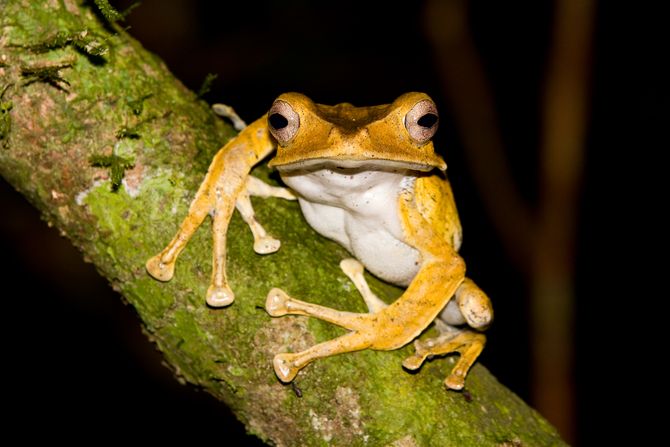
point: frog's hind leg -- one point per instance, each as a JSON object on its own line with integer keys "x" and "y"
{"x": 354, "y": 271}
{"x": 468, "y": 343}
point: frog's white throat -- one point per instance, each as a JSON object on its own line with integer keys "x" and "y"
{"x": 358, "y": 208}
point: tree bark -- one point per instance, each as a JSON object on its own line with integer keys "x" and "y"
{"x": 75, "y": 87}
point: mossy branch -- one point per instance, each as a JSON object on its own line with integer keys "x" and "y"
{"x": 49, "y": 136}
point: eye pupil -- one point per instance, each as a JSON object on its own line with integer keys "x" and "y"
{"x": 428, "y": 120}
{"x": 278, "y": 121}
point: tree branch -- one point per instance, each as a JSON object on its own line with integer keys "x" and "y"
{"x": 108, "y": 99}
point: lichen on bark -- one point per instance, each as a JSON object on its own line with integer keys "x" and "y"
{"x": 53, "y": 128}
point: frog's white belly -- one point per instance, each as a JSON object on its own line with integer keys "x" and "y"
{"x": 359, "y": 210}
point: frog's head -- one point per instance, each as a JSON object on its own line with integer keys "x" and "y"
{"x": 397, "y": 135}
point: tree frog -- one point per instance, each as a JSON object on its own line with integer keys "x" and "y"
{"x": 368, "y": 178}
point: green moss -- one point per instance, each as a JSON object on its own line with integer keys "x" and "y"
{"x": 207, "y": 84}
{"x": 49, "y": 74}
{"x": 108, "y": 11}
{"x": 117, "y": 167}
{"x": 133, "y": 131}
{"x": 137, "y": 104}
{"x": 5, "y": 117}
{"x": 83, "y": 40}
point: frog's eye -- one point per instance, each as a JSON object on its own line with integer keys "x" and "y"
{"x": 421, "y": 121}
{"x": 283, "y": 122}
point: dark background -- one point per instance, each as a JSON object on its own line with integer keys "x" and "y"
{"x": 75, "y": 355}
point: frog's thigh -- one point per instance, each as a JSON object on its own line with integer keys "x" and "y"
{"x": 466, "y": 342}
{"x": 354, "y": 271}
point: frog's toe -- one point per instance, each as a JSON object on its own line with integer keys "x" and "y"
{"x": 284, "y": 367}
{"x": 266, "y": 245}
{"x": 220, "y": 296}
{"x": 276, "y": 303}
{"x": 162, "y": 271}
{"x": 455, "y": 381}
{"x": 413, "y": 362}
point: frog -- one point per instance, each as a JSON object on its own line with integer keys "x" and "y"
{"x": 368, "y": 178}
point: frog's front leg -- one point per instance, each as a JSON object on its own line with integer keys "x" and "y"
{"x": 227, "y": 185}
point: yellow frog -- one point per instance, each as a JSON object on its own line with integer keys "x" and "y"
{"x": 368, "y": 178}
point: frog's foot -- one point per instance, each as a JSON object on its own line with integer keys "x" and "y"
{"x": 466, "y": 342}
{"x": 266, "y": 245}
{"x": 277, "y": 303}
{"x": 160, "y": 269}
{"x": 354, "y": 271}
{"x": 220, "y": 296}
{"x": 287, "y": 365}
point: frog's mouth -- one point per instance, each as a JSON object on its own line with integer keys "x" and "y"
{"x": 315, "y": 164}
